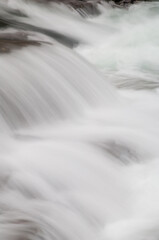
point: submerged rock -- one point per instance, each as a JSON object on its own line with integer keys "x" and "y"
{"x": 16, "y": 40}
{"x": 88, "y": 6}
{"x": 6, "y": 22}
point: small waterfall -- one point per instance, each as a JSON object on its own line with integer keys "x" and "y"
{"x": 48, "y": 82}
{"x": 79, "y": 126}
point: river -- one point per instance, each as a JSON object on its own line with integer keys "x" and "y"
{"x": 79, "y": 152}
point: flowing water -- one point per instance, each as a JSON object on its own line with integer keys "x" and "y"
{"x": 79, "y": 152}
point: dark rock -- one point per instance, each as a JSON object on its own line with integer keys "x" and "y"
{"x": 122, "y": 3}
{"x": 17, "y": 40}
{"x": 89, "y": 6}
{"x": 66, "y": 40}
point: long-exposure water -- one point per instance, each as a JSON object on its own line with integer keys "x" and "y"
{"x": 79, "y": 152}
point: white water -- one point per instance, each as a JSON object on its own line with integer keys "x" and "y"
{"x": 79, "y": 155}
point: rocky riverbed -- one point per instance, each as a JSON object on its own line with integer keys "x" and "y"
{"x": 19, "y": 38}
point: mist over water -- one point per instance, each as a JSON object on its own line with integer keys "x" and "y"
{"x": 79, "y": 152}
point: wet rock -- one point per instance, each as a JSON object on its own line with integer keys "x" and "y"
{"x": 8, "y": 21}
{"x": 123, "y": 3}
{"x": 88, "y": 6}
{"x": 17, "y": 40}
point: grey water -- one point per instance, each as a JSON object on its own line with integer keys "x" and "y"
{"x": 79, "y": 152}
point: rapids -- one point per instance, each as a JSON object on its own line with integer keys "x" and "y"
{"x": 79, "y": 152}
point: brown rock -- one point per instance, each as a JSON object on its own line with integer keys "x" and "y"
{"x": 17, "y": 40}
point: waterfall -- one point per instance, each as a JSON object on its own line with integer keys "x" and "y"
{"x": 79, "y": 122}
